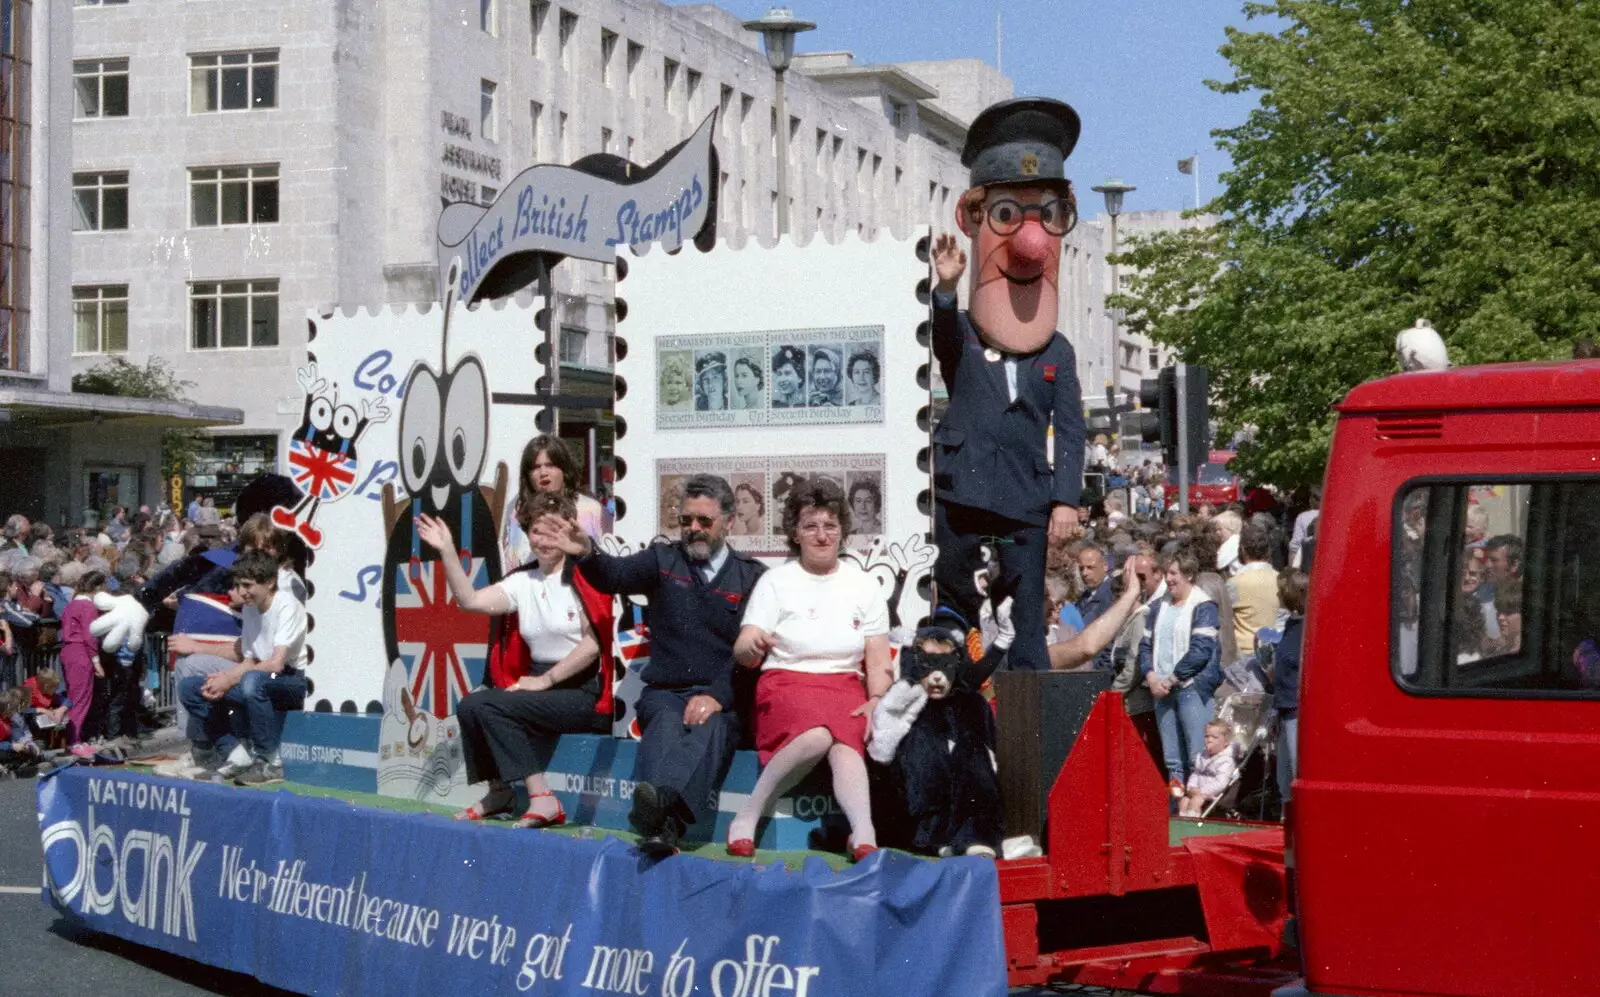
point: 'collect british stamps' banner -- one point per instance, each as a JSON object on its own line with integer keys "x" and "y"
{"x": 788, "y": 377}
{"x": 760, "y": 486}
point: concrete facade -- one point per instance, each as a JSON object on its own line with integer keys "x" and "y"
{"x": 381, "y": 111}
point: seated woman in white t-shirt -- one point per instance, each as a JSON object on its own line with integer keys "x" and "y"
{"x": 818, "y": 628}
{"x": 510, "y": 733}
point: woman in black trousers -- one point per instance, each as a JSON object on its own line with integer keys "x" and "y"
{"x": 552, "y": 688}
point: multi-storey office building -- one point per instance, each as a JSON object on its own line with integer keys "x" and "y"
{"x": 236, "y": 166}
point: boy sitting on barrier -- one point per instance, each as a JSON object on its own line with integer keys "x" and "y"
{"x": 268, "y": 681}
{"x": 1212, "y": 771}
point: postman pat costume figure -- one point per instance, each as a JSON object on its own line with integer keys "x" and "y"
{"x": 1010, "y": 374}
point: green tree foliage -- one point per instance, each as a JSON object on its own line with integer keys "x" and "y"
{"x": 1409, "y": 158}
{"x": 156, "y": 380}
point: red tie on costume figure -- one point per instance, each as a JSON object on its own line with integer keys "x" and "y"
{"x": 322, "y": 454}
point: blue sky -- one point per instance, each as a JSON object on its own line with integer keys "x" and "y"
{"x": 1131, "y": 68}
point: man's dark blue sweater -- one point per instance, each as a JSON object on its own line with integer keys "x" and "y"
{"x": 693, "y": 623}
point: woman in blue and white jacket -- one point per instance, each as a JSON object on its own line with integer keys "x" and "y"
{"x": 1179, "y": 662}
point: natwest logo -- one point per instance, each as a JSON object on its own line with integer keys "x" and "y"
{"x": 150, "y": 874}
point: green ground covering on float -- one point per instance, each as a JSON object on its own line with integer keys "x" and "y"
{"x": 704, "y": 849}
{"x": 1179, "y": 828}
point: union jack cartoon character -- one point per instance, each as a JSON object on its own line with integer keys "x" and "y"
{"x": 322, "y": 454}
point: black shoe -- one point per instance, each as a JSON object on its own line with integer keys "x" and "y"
{"x": 658, "y": 837}
{"x": 648, "y": 818}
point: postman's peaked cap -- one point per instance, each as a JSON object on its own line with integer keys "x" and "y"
{"x": 1020, "y": 141}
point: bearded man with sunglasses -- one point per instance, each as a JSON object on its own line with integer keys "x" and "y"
{"x": 697, "y": 587}
{"x": 1011, "y": 375}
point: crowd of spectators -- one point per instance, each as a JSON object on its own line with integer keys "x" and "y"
{"x": 104, "y": 700}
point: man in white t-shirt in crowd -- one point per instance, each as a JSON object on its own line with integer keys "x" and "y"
{"x": 266, "y": 683}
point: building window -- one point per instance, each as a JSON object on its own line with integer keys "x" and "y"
{"x": 1155, "y": 359}
{"x": 574, "y": 344}
{"x": 233, "y": 81}
{"x": 724, "y": 102}
{"x": 822, "y": 152}
{"x": 100, "y": 88}
{"x": 691, "y": 80}
{"x": 487, "y": 194}
{"x": 489, "y": 16}
{"x": 635, "y": 56}
{"x": 568, "y": 27}
{"x": 746, "y": 102}
{"x": 100, "y": 201}
{"x": 608, "y": 50}
{"x": 233, "y": 314}
{"x": 630, "y": 150}
{"x": 605, "y": 139}
{"x": 233, "y": 195}
{"x": 537, "y": 9}
{"x": 535, "y": 122}
{"x": 100, "y": 319}
{"x": 486, "y": 116}
{"x": 561, "y": 138}
{"x": 669, "y": 82}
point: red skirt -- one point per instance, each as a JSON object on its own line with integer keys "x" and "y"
{"x": 790, "y": 703}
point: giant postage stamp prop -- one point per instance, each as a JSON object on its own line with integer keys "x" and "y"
{"x": 388, "y": 635}
{"x": 770, "y": 367}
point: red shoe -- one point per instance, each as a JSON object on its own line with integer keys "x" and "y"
{"x": 310, "y": 534}
{"x": 533, "y": 820}
{"x": 283, "y": 518}
{"x": 743, "y": 848}
{"x": 484, "y": 808}
{"x": 859, "y": 853}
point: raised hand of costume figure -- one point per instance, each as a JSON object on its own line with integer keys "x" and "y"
{"x": 374, "y": 410}
{"x": 949, "y": 261}
{"x": 310, "y": 383}
{"x": 913, "y": 555}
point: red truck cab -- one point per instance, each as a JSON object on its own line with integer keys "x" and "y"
{"x": 1213, "y": 482}
{"x": 1444, "y": 819}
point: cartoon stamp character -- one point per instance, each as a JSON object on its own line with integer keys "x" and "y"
{"x": 322, "y": 454}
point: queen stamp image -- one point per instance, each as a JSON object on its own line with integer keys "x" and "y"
{"x": 788, "y": 377}
{"x": 749, "y": 381}
{"x": 826, "y": 376}
{"x": 749, "y": 505}
{"x": 710, "y": 381}
{"x": 677, "y": 392}
{"x": 862, "y": 375}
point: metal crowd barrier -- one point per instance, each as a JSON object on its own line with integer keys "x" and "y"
{"x": 18, "y": 668}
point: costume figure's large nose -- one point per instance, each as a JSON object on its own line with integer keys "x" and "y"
{"x": 1030, "y": 245}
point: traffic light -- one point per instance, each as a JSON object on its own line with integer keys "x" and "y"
{"x": 1179, "y": 411}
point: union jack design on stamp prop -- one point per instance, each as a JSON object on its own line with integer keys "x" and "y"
{"x": 319, "y": 473}
{"x": 445, "y": 649}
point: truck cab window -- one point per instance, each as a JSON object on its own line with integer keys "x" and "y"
{"x": 1496, "y": 588}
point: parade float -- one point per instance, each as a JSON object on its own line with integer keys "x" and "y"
{"x": 767, "y": 365}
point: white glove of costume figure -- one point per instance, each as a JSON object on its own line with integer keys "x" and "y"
{"x": 892, "y": 720}
{"x": 1005, "y": 630}
{"x": 121, "y": 623}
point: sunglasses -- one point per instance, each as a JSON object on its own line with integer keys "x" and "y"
{"x": 704, "y": 522}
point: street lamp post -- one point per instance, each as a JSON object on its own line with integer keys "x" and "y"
{"x": 1113, "y": 190}
{"x": 778, "y": 29}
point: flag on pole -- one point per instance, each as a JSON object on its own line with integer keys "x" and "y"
{"x": 1186, "y": 166}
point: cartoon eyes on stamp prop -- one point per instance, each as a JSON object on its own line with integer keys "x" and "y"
{"x": 1055, "y": 215}
{"x": 444, "y": 419}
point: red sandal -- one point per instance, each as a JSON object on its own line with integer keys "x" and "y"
{"x": 742, "y": 848}
{"x": 474, "y": 813}
{"x": 533, "y": 820}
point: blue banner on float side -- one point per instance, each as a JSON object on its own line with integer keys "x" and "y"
{"x": 323, "y": 897}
